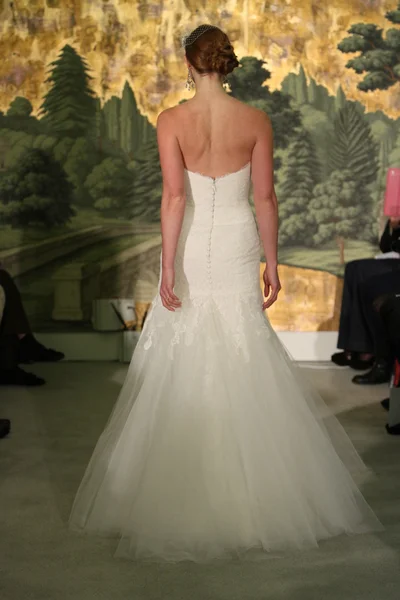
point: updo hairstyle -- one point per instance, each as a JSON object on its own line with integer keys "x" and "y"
{"x": 212, "y": 52}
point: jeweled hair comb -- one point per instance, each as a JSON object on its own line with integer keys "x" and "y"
{"x": 196, "y": 33}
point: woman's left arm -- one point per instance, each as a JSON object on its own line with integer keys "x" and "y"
{"x": 172, "y": 204}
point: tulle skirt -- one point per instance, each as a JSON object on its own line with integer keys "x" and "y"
{"x": 218, "y": 446}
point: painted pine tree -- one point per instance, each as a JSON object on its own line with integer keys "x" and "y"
{"x": 127, "y": 116}
{"x": 300, "y": 175}
{"x": 69, "y": 106}
{"x": 112, "y": 118}
{"x": 145, "y": 198}
{"x": 301, "y": 87}
{"x": 354, "y": 147}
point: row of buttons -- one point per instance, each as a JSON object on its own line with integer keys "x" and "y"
{"x": 209, "y": 239}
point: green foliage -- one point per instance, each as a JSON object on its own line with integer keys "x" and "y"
{"x": 19, "y": 118}
{"x": 320, "y": 128}
{"x": 17, "y": 143}
{"x": 69, "y": 107}
{"x": 300, "y": 175}
{"x": 315, "y": 95}
{"x": 20, "y": 107}
{"x": 36, "y": 191}
{"x": 44, "y": 142}
{"x": 80, "y": 161}
{"x": 354, "y": 147}
{"x": 247, "y": 84}
{"x": 62, "y": 149}
{"x": 379, "y": 56}
{"x": 128, "y": 114}
{"x": 337, "y": 208}
{"x": 112, "y": 117}
{"x": 145, "y": 200}
{"x": 394, "y": 15}
{"x": 109, "y": 184}
{"x": 394, "y": 156}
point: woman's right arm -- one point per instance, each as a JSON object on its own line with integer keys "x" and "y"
{"x": 266, "y": 205}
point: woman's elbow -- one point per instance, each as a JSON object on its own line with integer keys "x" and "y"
{"x": 173, "y": 202}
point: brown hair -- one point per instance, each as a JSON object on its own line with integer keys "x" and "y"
{"x": 212, "y": 52}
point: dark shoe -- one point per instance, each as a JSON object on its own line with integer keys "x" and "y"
{"x": 30, "y": 350}
{"x": 341, "y": 359}
{"x": 380, "y": 373}
{"x": 5, "y": 426}
{"x": 18, "y": 376}
{"x": 361, "y": 365}
{"x": 385, "y": 403}
{"x": 393, "y": 430}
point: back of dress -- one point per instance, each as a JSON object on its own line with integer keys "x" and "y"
{"x": 219, "y": 247}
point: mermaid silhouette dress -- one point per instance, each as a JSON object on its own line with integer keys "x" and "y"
{"x": 217, "y": 445}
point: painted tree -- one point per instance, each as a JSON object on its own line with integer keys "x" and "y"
{"x": 145, "y": 198}
{"x": 112, "y": 117}
{"x": 79, "y": 162}
{"x": 69, "y": 105}
{"x": 379, "y": 55}
{"x": 336, "y": 210}
{"x": 20, "y": 107}
{"x": 128, "y": 110}
{"x": 300, "y": 174}
{"x": 394, "y": 156}
{"x": 301, "y": 87}
{"x": 354, "y": 147}
{"x": 109, "y": 185}
{"x": 36, "y": 191}
{"x": 248, "y": 85}
{"x": 340, "y": 100}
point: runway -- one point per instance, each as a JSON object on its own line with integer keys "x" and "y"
{"x": 54, "y": 429}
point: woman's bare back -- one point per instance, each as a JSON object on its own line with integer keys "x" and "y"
{"x": 216, "y": 137}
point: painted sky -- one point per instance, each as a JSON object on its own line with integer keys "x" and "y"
{"x": 140, "y": 41}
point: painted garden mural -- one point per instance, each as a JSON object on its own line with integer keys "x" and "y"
{"x": 82, "y": 83}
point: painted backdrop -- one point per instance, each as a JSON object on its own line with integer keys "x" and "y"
{"x": 82, "y": 83}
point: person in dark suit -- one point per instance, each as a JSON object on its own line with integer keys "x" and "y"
{"x": 17, "y": 343}
{"x": 362, "y": 335}
{"x": 388, "y": 306}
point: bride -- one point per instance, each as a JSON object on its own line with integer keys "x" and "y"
{"x": 216, "y": 445}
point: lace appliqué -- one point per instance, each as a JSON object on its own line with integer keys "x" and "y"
{"x": 230, "y": 317}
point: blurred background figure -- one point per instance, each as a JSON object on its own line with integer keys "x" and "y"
{"x": 17, "y": 343}
{"x": 363, "y": 337}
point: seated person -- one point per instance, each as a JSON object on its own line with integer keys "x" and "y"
{"x": 362, "y": 335}
{"x": 17, "y": 343}
{"x": 389, "y": 310}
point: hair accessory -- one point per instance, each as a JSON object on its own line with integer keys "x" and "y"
{"x": 195, "y": 34}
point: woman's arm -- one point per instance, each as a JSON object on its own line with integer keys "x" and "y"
{"x": 172, "y": 203}
{"x": 266, "y": 205}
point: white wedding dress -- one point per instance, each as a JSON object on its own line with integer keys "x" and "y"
{"x": 216, "y": 445}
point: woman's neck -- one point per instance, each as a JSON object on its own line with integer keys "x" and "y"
{"x": 208, "y": 86}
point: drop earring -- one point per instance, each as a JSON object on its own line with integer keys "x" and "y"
{"x": 189, "y": 81}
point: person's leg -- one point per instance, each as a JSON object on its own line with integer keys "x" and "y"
{"x": 388, "y": 307}
{"x": 354, "y": 338}
{"x": 370, "y": 291}
{"x": 15, "y": 321}
{"x": 12, "y": 317}
{"x": 354, "y": 335}
{"x": 10, "y": 372}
